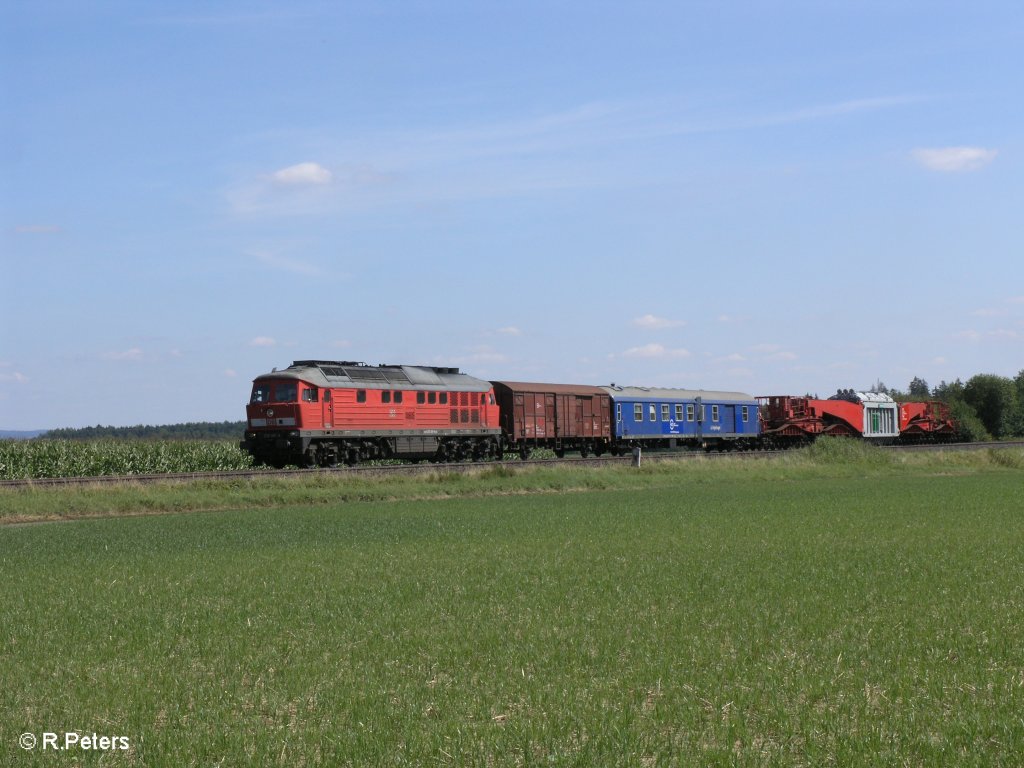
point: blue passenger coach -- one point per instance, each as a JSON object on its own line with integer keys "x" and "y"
{"x": 684, "y": 418}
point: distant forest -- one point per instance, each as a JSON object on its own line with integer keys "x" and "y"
{"x": 196, "y": 430}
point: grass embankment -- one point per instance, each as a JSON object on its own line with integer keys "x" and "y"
{"x": 796, "y": 611}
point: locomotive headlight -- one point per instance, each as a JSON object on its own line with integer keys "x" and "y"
{"x": 270, "y": 413}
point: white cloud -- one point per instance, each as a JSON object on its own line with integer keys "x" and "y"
{"x": 652, "y": 322}
{"x": 263, "y": 341}
{"x": 17, "y": 377}
{"x": 953, "y": 159}
{"x": 230, "y": 373}
{"x": 998, "y": 334}
{"x": 129, "y": 354}
{"x": 656, "y": 351}
{"x": 303, "y": 174}
{"x": 510, "y": 330}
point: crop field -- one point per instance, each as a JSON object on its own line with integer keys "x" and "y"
{"x": 800, "y": 610}
{"x": 88, "y": 458}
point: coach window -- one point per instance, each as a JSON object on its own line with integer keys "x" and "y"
{"x": 311, "y": 395}
{"x": 664, "y": 412}
{"x": 714, "y": 413}
{"x": 746, "y": 413}
{"x": 360, "y": 395}
{"x": 679, "y": 411}
{"x": 638, "y": 412}
{"x": 652, "y": 412}
{"x": 689, "y": 412}
{"x": 618, "y": 412}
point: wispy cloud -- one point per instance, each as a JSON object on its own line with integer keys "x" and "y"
{"x": 554, "y": 151}
{"x": 263, "y": 341}
{"x": 303, "y": 174}
{"x": 15, "y": 376}
{"x": 133, "y": 354}
{"x": 653, "y": 322}
{"x": 954, "y": 159}
{"x": 997, "y": 334}
{"x": 656, "y": 352}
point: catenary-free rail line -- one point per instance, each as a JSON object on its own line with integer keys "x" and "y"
{"x": 415, "y": 469}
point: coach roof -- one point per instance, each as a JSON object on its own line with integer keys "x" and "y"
{"x": 662, "y": 393}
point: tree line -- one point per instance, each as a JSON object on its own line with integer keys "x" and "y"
{"x": 195, "y": 430}
{"x": 986, "y": 406}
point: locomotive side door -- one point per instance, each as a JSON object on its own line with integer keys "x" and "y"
{"x": 328, "y": 402}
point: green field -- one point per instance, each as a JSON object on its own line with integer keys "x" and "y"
{"x": 794, "y": 611}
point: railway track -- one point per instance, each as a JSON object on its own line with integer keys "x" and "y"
{"x": 429, "y": 468}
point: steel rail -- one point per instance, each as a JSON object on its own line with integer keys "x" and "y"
{"x": 430, "y": 468}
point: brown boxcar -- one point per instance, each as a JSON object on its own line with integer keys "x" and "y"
{"x": 562, "y": 417}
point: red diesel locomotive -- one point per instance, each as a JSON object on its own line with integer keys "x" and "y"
{"x": 320, "y": 413}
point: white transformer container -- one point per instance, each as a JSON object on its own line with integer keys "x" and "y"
{"x": 881, "y": 416}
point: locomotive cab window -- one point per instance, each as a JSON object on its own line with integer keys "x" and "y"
{"x": 398, "y": 396}
{"x": 385, "y": 396}
{"x": 260, "y": 393}
{"x": 360, "y": 395}
{"x": 311, "y": 395}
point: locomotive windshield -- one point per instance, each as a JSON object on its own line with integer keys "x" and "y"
{"x": 286, "y": 392}
{"x": 281, "y": 392}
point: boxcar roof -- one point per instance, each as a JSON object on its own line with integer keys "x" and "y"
{"x": 664, "y": 393}
{"x": 557, "y": 389}
{"x": 326, "y": 373}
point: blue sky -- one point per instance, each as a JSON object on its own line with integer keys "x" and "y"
{"x": 772, "y": 197}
